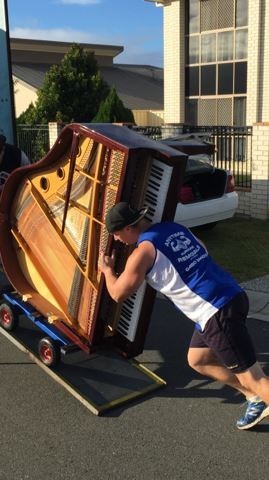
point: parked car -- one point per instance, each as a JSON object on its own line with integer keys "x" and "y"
{"x": 208, "y": 193}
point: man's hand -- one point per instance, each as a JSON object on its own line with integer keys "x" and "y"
{"x": 138, "y": 263}
{"x": 107, "y": 262}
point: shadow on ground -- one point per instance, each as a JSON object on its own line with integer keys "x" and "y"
{"x": 164, "y": 354}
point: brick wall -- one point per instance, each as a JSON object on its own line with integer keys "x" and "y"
{"x": 174, "y": 62}
{"x": 256, "y": 202}
{"x": 258, "y": 62}
{"x": 54, "y": 131}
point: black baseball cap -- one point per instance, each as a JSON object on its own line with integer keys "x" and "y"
{"x": 122, "y": 215}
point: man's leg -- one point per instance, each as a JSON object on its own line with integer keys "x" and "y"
{"x": 252, "y": 383}
{"x": 254, "y": 379}
{"x": 204, "y": 361}
{"x": 225, "y": 352}
{"x": 257, "y": 409}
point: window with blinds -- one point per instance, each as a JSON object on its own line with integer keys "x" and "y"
{"x": 216, "y": 60}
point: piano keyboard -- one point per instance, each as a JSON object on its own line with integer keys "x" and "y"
{"x": 155, "y": 198}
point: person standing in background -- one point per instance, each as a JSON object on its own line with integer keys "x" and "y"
{"x": 11, "y": 157}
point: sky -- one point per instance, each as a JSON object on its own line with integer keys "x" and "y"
{"x": 136, "y": 25}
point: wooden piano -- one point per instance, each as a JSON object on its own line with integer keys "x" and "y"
{"x": 52, "y": 229}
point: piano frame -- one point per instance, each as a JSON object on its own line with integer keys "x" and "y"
{"x": 133, "y": 146}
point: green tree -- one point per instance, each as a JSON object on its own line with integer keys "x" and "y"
{"x": 28, "y": 116}
{"x": 112, "y": 110}
{"x": 72, "y": 91}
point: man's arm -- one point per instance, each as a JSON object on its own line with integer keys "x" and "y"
{"x": 139, "y": 262}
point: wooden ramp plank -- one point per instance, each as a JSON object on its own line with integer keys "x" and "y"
{"x": 100, "y": 381}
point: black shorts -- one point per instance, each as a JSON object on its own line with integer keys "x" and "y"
{"x": 227, "y": 336}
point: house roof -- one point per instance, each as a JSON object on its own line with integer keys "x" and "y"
{"x": 32, "y": 74}
{"x": 140, "y": 87}
{"x": 45, "y": 50}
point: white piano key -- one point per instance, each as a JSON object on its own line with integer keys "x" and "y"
{"x": 155, "y": 198}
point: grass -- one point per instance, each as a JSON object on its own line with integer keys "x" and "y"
{"x": 240, "y": 245}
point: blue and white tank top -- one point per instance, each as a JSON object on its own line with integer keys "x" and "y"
{"x": 185, "y": 273}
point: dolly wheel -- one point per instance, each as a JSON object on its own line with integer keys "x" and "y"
{"x": 49, "y": 351}
{"x": 8, "y": 317}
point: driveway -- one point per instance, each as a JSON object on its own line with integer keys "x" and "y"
{"x": 183, "y": 431}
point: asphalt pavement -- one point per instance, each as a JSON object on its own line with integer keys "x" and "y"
{"x": 258, "y": 293}
{"x": 185, "y": 430}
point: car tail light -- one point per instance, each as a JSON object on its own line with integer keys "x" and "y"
{"x": 186, "y": 194}
{"x": 230, "y": 185}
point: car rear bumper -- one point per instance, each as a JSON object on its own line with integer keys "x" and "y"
{"x": 207, "y": 211}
